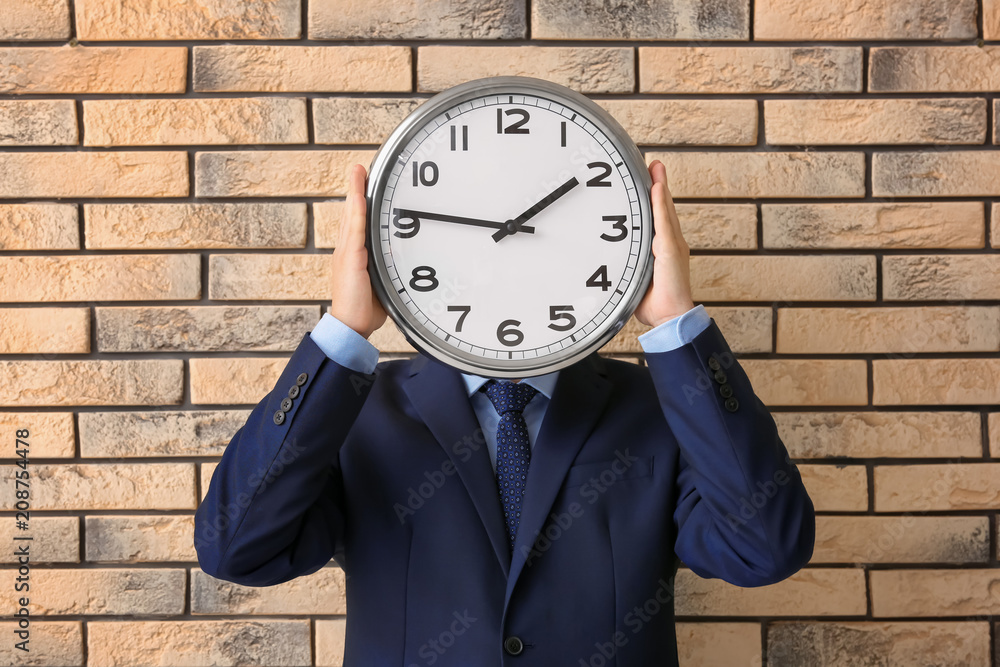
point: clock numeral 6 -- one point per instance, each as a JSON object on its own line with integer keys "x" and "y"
{"x": 408, "y": 229}
{"x": 601, "y": 180}
{"x": 426, "y": 173}
{"x": 461, "y": 318}
{"x": 508, "y": 334}
{"x": 600, "y": 278}
{"x": 619, "y": 221}
{"x": 515, "y": 128}
{"x": 554, "y": 315}
{"x": 424, "y": 279}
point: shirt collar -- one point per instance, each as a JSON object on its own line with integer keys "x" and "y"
{"x": 545, "y": 384}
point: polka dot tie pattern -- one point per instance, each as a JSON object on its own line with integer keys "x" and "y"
{"x": 513, "y": 451}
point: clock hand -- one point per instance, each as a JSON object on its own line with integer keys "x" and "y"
{"x": 514, "y": 225}
{"x": 442, "y": 217}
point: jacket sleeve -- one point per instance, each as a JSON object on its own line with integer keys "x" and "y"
{"x": 742, "y": 513}
{"x": 273, "y": 508}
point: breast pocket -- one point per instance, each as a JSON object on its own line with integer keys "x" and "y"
{"x": 610, "y": 471}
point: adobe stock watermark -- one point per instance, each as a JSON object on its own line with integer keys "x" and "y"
{"x": 634, "y": 621}
{"x": 434, "y": 648}
{"x": 750, "y": 507}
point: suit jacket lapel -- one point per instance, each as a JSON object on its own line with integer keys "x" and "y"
{"x": 577, "y": 403}
{"x": 439, "y": 396}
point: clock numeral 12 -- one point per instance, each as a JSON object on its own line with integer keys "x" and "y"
{"x": 516, "y": 127}
{"x": 600, "y": 278}
{"x": 424, "y": 173}
{"x": 465, "y": 137}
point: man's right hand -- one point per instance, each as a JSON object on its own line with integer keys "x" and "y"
{"x": 354, "y": 302}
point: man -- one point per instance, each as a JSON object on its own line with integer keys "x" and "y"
{"x": 391, "y": 470}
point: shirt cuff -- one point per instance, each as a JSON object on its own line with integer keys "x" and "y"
{"x": 344, "y": 345}
{"x": 676, "y": 331}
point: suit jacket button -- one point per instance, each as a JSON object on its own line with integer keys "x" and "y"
{"x": 720, "y": 377}
{"x": 713, "y": 363}
{"x": 732, "y": 404}
{"x": 286, "y": 404}
{"x": 279, "y": 417}
{"x": 293, "y": 391}
{"x": 726, "y": 390}
{"x": 301, "y": 379}
{"x": 513, "y": 645}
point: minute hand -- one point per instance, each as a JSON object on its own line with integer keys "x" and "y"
{"x": 443, "y": 217}
{"x": 514, "y": 225}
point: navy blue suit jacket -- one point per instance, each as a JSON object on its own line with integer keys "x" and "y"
{"x": 633, "y": 468}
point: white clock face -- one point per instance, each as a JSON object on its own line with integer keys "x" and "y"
{"x": 510, "y": 232}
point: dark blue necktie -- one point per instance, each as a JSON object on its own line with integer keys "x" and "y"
{"x": 513, "y": 452}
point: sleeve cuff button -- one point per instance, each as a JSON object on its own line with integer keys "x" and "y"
{"x": 732, "y": 404}
{"x": 279, "y": 417}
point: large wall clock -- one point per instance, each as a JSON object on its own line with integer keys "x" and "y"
{"x": 509, "y": 227}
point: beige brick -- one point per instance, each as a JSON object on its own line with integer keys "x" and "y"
{"x": 864, "y": 19}
{"x": 38, "y": 123}
{"x": 745, "y": 329}
{"x": 901, "y": 539}
{"x": 808, "y": 381}
{"x": 994, "y": 434}
{"x": 656, "y": 20}
{"x": 161, "y": 122}
{"x": 319, "y": 593}
{"x": 52, "y": 643}
{"x": 197, "y": 225}
{"x": 158, "y": 433}
{"x": 34, "y": 19}
{"x": 385, "y": 19}
{"x": 267, "y": 68}
{"x": 359, "y": 120}
{"x": 233, "y": 381}
{"x": 203, "y": 328}
{"x": 202, "y": 643}
{"x": 876, "y": 434}
{"x": 51, "y": 435}
{"x": 45, "y": 331}
{"x": 139, "y": 539}
{"x": 874, "y": 225}
{"x": 39, "y": 227}
{"x": 764, "y": 69}
{"x": 931, "y": 121}
{"x": 836, "y": 488}
{"x": 388, "y": 338}
{"x": 933, "y": 487}
{"x": 810, "y": 592}
{"x": 935, "y": 592}
{"x": 99, "y": 277}
{"x": 330, "y": 635}
{"x": 768, "y": 174}
{"x": 687, "y": 122}
{"x": 94, "y": 174}
{"x": 929, "y": 69}
{"x": 106, "y": 486}
{"x": 326, "y": 222}
{"x": 952, "y": 277}
{"x": 783, "y": 277}
{"x": 236, "y": 276}
{"x": 303, "y": 173}
{"x": 945, "y": 644}
{"x": 93, "y": 69}
{"x": 995, "y": 226}
{"x": 936, "y": 173}
{"x": 936, "y": 381}
{"x": 53, "y": 539}
{"x": 112, "y": 20}
{"x": 103, "y": 591}
{"x": 888, "y": 329}
{"x": 732, "y": 644}
{"x": 991, "y": 19}
{"x": 585, "y": 69}
{"x": 718, "y": 226}
{"x": 91, "y": 382}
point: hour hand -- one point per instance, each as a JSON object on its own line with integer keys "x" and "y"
{"x": 444, "y": 217}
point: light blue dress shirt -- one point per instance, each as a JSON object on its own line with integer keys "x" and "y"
{"x": 350, "y": 349}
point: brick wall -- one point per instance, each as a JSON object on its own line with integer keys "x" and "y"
{"x": 171, "y": 176}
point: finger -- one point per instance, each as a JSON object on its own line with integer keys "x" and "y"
{"x": 666, "y": 202}
{"x": 353, "y": 222}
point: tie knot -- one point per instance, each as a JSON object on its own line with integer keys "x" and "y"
{"x": 509, "y": 396}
